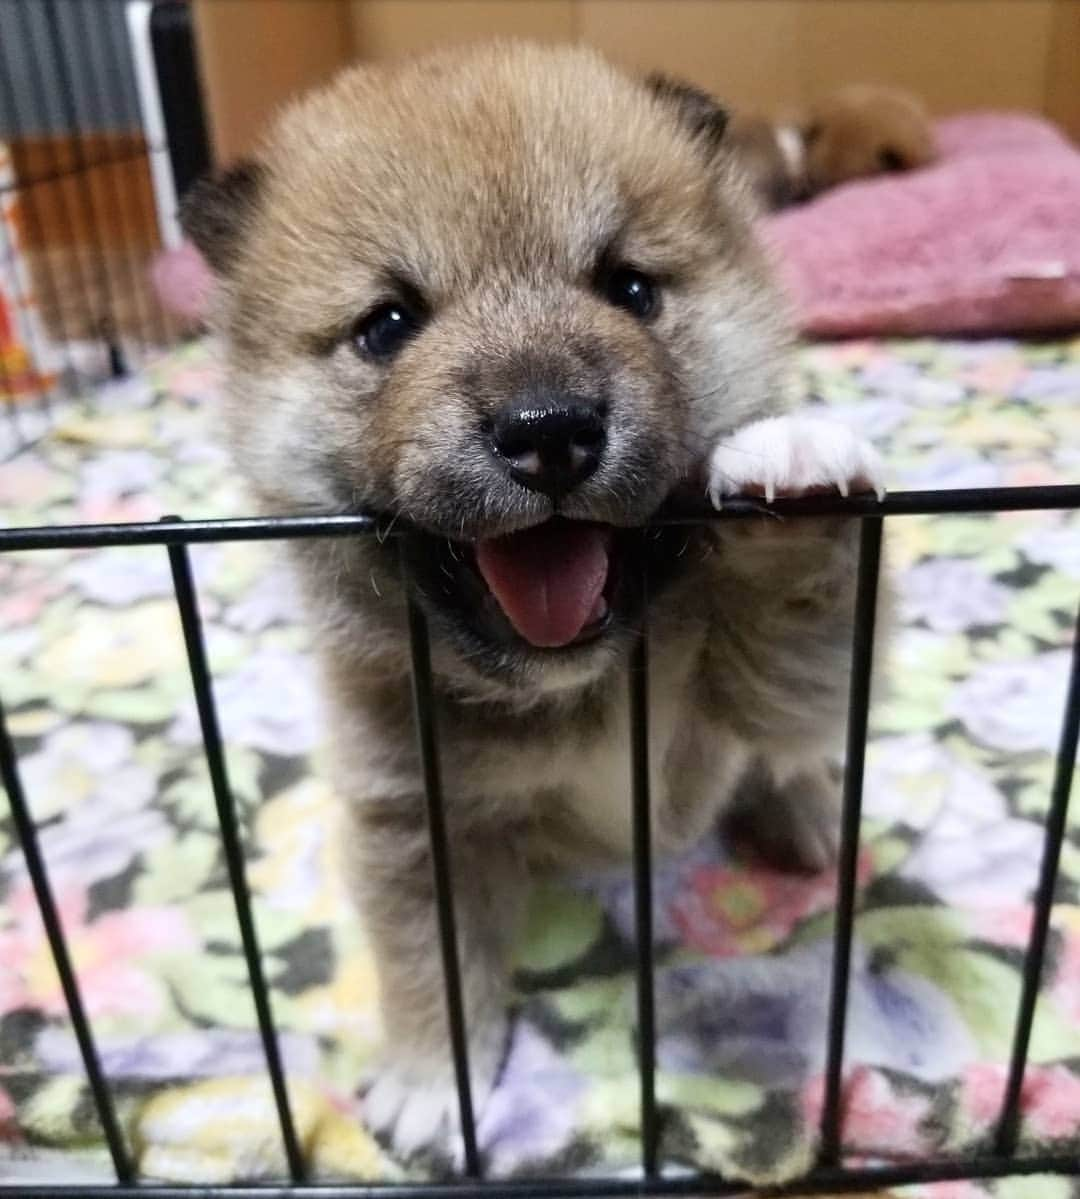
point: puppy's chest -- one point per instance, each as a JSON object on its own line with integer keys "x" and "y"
{"x": 574, "y": 788}
{"x": 594, "y": 810}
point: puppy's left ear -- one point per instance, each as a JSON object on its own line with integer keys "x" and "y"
{"x": 217, "y": 210}
{"x": 703, "y": 115}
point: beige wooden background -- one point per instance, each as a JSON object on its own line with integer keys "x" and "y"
{"x": 769, "y": 55}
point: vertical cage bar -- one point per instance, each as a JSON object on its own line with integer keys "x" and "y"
{"x": 191, "y": 622}
{"x": 427, "y": 741}
{"x": 858, "y": 721}
{"x": 39, "y": 879}
{"x": 643, "y": 903}
{"x": 1009, "y": 1121}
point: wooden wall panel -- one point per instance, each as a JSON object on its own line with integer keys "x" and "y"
{"x": 1063, "y": 68}
{"x": 771, "y": 55}
{"x": 254, "y": 55}
{"x": 745, "y": 51}
{"x": 384, "y": 28}
{"x": 955, "y": 53}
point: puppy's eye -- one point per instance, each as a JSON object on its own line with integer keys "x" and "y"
{"x": 630, "y": 289}
{"x": 890, "y": 160}
{"x": 385, "y": 330}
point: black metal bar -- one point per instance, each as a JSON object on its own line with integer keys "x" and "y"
{"x": 858, "y": 719}
{"x": 643, "y": 904}
{"x": 39, "y": 879}
{"x": 898, "y": 503}
{"x": 179, "y": 532}
{"x": 65, "y": 90}
{"x": 1009, "y": 1122}
{"x": 816, "y": 1183}
{"x": 424, "y": 710}
{"x": 191, "y": 622}
{"x": 952, "y": 501}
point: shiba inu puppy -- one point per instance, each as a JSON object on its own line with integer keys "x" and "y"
{"x": 865, "y": 130}
{"x": 509, "y": 296}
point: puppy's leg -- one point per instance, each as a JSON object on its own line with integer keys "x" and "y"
{"x": 413, "y": 1099}
{"x": 785, "y": 601}
{"x": 790, "y": 817}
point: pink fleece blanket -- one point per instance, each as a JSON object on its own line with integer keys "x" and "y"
{"x": 987, "y": 240}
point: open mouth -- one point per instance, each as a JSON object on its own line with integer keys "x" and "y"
{"x": 553, "y": 582}
{"x": 551, "y": 589}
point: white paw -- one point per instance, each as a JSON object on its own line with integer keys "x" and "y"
{"x": 793, "y": 456}
{"x": 414, "y": 1108}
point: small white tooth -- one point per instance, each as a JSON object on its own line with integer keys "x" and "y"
{"x": 599, "y": 611}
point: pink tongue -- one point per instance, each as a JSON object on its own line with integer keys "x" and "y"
{"x": 548, "y": 580}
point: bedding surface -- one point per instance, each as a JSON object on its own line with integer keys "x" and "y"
{"x": 95, "y": 685}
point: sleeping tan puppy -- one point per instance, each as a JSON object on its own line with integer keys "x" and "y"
{"x": 865, "y": 130}
{"x": 509, "y": 296}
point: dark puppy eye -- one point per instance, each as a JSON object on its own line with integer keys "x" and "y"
{"x": 632, "y": 290}
{"x": 890, "y": 160}
{"x": 384, "y": 331}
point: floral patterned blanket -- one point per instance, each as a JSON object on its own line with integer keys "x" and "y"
{"x": 94, "y": 680}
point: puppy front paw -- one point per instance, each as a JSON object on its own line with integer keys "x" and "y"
{"x": 412, "y": 1107}
{"x": 793, "y": 456}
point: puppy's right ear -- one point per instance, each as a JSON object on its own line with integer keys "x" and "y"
{"x": 703, "y": 115}
{"x": 217, "y": 210}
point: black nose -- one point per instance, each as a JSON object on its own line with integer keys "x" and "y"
{"x": 550, "y": 446}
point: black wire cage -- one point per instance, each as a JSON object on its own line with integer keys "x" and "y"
{"x": 830, "y": 1174}
{"x": 101, "y": 128}
{"x": 74, "y": 55}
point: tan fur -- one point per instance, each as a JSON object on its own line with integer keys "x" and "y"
{"x": 866, "y": 130}
{"x": 776, "y": 174}
{"x": 490, "y": 182}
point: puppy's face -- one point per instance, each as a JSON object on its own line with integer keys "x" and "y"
{"x": 510, "y": 296}
{"x": 863, "y": 131}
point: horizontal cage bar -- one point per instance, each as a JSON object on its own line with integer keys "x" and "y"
{"x": 272, "y": 528}
{"x": 818, "y": 1182}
